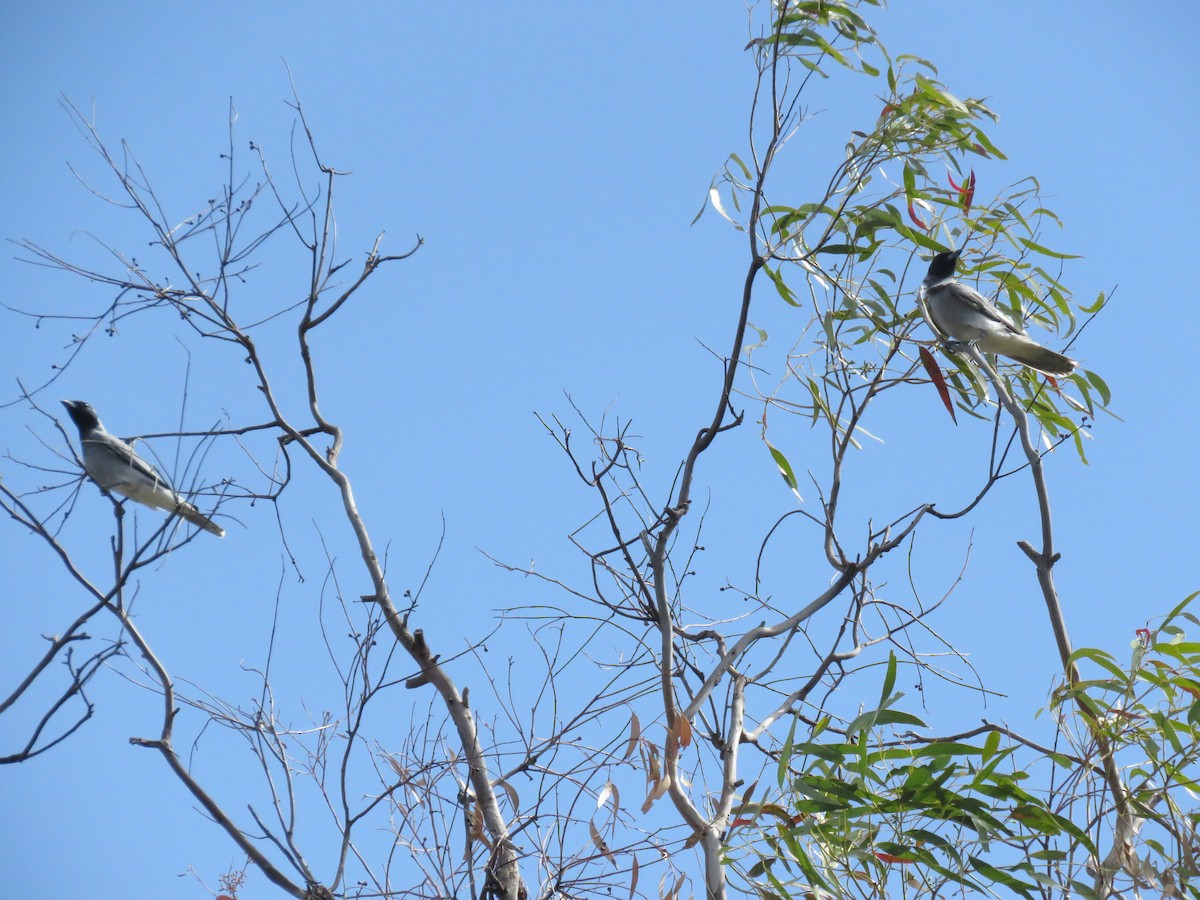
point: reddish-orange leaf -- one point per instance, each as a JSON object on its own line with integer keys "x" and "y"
{"x": 893, "y": 860}
{"x": 939, "y": 381}
{"x": 912, "y": 214}
{"x": 966, "y": 190}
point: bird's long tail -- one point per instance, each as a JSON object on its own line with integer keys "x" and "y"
{"x": 1041, "y": 358}
{"x": 196, "y": 517}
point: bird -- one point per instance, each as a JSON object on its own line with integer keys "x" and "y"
{"x": 112, "y": 464}
{"x": 962, "y": 313}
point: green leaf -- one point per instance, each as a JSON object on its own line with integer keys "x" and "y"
{"x": 785, "y": 755}
{"x": 742, "y": 166}
{"x": 936, "y": 92}
{"x": 1101, "y": 387}
{"x": 1101, "y": 299}
{"x": 785, "y": 468}
{"x": 948, "y": 749}
{"x": 879, "y": 717}
{"x": 781, "y": 286}
{"x": 988, "y": 145}
{"x": 990, "y": 745}
{"x": 834, "y": 753}
{"x": 1001, "y": 877}
{"x": 1193, "y": 716}
{"x": 1100, "y": 658}
{"x": 1046, "y": 251}
{"x": 889, "y": 679}
{"x": 919, "y": 238}
{"x": 923, "y": 836}
{"x": 1049, "y": 855}
{"x": 811, "y": 66}
{"x": 827, "y": 792}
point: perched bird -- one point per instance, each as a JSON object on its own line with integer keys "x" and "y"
{"x": 114, "y": 466}
{"x": 966, "y": 315}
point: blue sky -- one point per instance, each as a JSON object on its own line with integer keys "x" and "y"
{"x": 552, "y": 157}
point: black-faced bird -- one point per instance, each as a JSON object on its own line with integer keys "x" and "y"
{"x": 964, "y": 314}
{"x": 112, "y": 464}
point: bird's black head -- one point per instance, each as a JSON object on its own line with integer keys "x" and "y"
{"x": 943, "y": 265}
{"x": 81, "y": 414}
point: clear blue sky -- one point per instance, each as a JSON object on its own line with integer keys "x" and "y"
{"x": 552, "y": 155}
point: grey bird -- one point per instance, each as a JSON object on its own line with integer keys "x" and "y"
{"x": 112, "y": 464}
{"x": 961, "y": 312}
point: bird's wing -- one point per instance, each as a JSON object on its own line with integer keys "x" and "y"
{"x": 114, "y": 465}
{"x": 117, "y": 456}
{"x": 981, "y": 304}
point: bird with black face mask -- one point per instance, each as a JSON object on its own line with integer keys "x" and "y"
{"x": 112, "y": 464}
{"x": 964, "y": 314}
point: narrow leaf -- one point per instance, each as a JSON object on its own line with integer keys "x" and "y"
{"x": 513, "y": 797}
{"x": 785, "y": 469}
{"x": 889, "y": 679}
{"x": 939, "y": 381}
{"x": 635, "y": 731}
{"x": 714, "y": 197}
{"x": 600, "y": 845}
{"x": 879, "y": 717}
{"x": 1046, "y": 251}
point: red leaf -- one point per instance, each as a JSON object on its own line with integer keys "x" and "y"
{"x": 896, "y": 860}
{"x": 968, "y": 192}
{"x": 912, "y": 214}
{"x": 939, "y": 381}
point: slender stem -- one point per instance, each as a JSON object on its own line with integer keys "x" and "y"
{"x": 1044, "y": 560}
